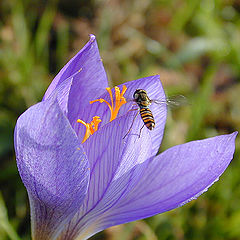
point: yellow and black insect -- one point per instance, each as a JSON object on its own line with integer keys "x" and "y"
{"x": 143, "y": 101}
{"x": 141, "y": 98}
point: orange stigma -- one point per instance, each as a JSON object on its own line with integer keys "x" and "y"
{"x": 119, "y": 101}
{"x": 90, "y": 127}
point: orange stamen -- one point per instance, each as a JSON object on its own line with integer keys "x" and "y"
{"x": 119, "y": 101}
{"x": 90, "y": 127}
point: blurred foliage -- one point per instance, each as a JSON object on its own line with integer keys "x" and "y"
{"x": 193, "y": 45}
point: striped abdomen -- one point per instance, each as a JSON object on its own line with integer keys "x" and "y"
{"x": 147, "y": 117}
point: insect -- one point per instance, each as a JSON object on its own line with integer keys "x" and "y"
{"x": 141, "y": 98}
{"x": 143, "y": 101}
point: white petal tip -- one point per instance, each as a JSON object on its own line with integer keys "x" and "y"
{"x": 92, "y": 37}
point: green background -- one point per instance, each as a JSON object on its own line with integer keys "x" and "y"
{"x": 194, "y": 46}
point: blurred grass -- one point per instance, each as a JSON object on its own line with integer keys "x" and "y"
{"x": 193, "y": 45}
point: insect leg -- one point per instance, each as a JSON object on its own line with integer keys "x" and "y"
{"x": 133, "y": 109}
{"x": 141, "y": 131}
{"x": 132, "y": 124}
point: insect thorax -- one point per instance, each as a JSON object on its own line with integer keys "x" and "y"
{"x": 141, "y": 98}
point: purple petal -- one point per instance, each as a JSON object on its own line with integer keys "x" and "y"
{"x": 111, "y": 157}
{"x": 61, "y": 92}
{"x": 173, "y": 178}
{"x": 89, "y": 83}
{"x": 160, "y": 184}
{"x": 52, "y": 165}
{"x": 88, "y": 62}
{"x": 155, "y": 91}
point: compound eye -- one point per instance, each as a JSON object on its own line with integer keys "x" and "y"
{"x": 135, "y": 95}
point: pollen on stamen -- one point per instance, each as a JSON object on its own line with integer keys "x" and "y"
{"x": 119, "y": 101}
{"x": 90, "y": 127}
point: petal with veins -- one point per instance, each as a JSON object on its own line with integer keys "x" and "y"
{"x": 52, "y": 165}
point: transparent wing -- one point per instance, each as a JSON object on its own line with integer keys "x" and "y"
{"x": 175, "y": 101}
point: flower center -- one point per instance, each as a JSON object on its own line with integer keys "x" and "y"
{"x": 90, "y": 127}
{"x": 114, "y": 109}
{"x": 119, "y": 101}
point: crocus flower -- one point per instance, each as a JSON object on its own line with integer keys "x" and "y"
{"x": 83, "y": 173}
